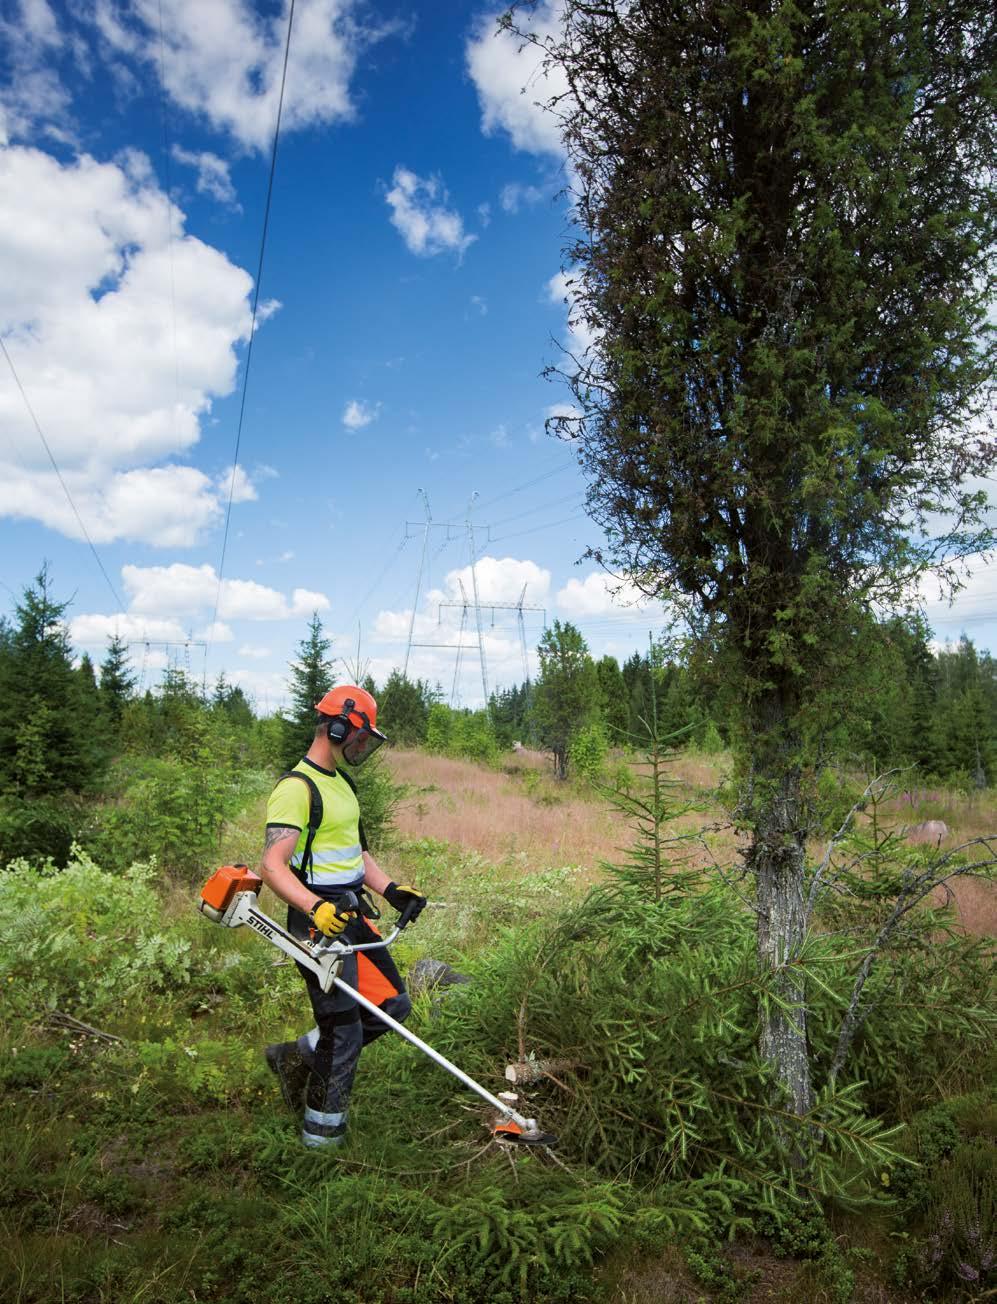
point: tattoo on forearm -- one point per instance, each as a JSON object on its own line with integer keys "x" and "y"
{"x": 277, "y": 834}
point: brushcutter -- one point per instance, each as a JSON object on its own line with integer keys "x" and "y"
{"x": 229, "y": 897}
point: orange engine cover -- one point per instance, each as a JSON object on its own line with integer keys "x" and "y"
{"x": 223, "y": 884}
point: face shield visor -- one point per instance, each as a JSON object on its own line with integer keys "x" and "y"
{"x": 362, "y": 743}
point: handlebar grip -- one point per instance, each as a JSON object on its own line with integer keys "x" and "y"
{"x": 347, "y": 904}
{"x": 406, "y": 916}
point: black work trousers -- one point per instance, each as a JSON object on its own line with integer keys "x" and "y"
{"x": 332, "y": 1049}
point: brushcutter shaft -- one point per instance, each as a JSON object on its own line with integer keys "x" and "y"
{"x": 527, "y": 1124}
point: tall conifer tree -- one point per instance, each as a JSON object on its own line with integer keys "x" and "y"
{"x": 309, "y": 680}
{"x": 117, "y": 680}
{"x": 786, "y": 257}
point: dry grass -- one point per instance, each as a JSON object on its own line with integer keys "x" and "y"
{"x": 493, "y": 812}
{"x": 967, "y": 816}
{"x": 521, "y": 814}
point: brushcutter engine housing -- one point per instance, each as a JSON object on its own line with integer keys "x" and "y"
{"x": 230, "y": 898}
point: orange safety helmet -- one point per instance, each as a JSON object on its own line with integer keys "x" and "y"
{"x": 363, "y": 704}
{"x": 352, "y": 715}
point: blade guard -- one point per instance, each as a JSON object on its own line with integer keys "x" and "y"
{"x": 220, "y": 890}
{"x": 508, "y": 1130}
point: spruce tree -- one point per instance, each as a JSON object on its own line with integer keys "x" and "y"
{"x": 46, "y": 721}
{"x": 310, "y": 678}
{"x": 117, "y": 682}
{"x": 614, "y": 699}
{"x": 403, "y": 709}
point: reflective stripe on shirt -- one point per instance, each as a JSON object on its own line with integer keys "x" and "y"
{"x": 348, "y": 855}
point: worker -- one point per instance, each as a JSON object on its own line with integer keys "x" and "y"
{"x": 315, "y": 853}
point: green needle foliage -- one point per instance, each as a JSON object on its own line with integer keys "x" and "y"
{"x": 311, "y": 677}
{"x": 657, "y": 859}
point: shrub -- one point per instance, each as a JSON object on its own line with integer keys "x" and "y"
{"x": 170, "y": 810}
{"x": 473, "y": 736}
{"x": 41, "y": 827}
{"x": 651, "y": 1009}
{"x": 959, "y": 1247}
{"x": 461, "y": 733}
{"x": 587, "y": 752}
{"x": 711, "y": 743}
{"x": 86, "y": 938}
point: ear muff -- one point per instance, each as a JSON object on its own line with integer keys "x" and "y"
{"x": 339, "y": 726}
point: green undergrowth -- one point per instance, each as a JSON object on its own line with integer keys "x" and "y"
{"x": 156, "y": 1163}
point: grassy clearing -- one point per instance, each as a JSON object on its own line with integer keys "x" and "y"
{"x": 162, "y": 1166}
{"x": 519, "y": 817}
{"x": 520, "y": 814}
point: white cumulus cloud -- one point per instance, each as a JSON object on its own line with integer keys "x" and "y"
{"x": 561, "y": 290}
{"x": 168, "y": 506}
{"x": 419, "y": 212}
{"x": 215, "y": 632}
{"x": 235, "y": 482}
{"x": 358, "y": 414}
{"x": 500, "y": 579}
{"x": 182, "y": 590}
{"x": 32, "y": 97}
{"x": 512, "y": 84}
{"x": 93, "y": 631}
{"x": 516, "y": 195}
{"x": 305, "y": 601}
{"x": 600, "y": 595}
{"x": 213, "y": 178}
{"x": 223, "y": 60}
{"x": 121, "y": 346}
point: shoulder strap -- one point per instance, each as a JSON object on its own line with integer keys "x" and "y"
{"x": 315, "y": 811}
{"x": 352, "y": 784}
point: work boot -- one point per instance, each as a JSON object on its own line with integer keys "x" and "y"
{"x": 286, "y": 1061}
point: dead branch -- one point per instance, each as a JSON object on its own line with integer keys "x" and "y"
{"x": 883, "y": 780}
{"x": 63, "y": 1020}
{"x": 914, "y": 890}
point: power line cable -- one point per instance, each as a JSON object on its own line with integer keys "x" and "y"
{"x": 387, "y": 566}
{"x": 541, "y": 507}
{"x": 55, "y": 468}
{"x": 256, "y": 304}
{"x": 549, "y": 525}
{"x": 169, "y": 215}
{"x": 508, "y": 493}
{"x": 558, "y": 470}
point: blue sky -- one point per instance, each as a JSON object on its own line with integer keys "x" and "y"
{"x": 412, "y": 294}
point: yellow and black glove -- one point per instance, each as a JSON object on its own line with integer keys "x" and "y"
{"x": 406, "y": 899}
{"x": 328, "y": 920}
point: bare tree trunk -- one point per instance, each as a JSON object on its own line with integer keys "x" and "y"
{"x": 776, "y": 858}
{"x": 560, "y": 762}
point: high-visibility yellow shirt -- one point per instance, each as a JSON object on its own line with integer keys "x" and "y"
{"x": 337, "y": 856}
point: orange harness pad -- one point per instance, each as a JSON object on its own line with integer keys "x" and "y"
{"x": 370, "y": 981}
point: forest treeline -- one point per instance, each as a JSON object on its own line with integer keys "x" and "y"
{"x": 916, "y": 704}
{"x": 89, "y": 755}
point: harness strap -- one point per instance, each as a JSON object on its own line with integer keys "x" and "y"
{"x": 351, "y": 784}
{"x": 315, "y": 813}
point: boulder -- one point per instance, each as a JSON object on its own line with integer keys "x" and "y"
{"x": 930, "y": 832}
{"x": 428, "y": 975}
